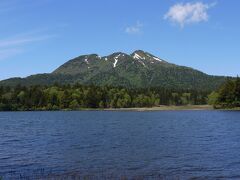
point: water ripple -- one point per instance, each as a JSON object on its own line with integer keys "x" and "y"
{"x": 167, "y": 145}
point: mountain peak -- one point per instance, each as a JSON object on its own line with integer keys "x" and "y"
{"x": 139, "y": 51}
{"x": 139, "y": 69}
{"x": 140, "y": 54}
{"x": 115, "y": 57}
{"x": 118, "y": 54}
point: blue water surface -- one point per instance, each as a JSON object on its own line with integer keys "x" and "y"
{"x": 161, "y": 144}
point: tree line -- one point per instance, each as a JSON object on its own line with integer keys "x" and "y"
{"x": 74, "y": 97}
{"x": 227, "y": 96}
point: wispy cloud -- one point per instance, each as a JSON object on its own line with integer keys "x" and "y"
{"x": 17, "y": 44}
{"x": 23, "y": 40}
{"x": 6, "y": 5}
{"x": 135, "y": 29}
{"x": 188, "y": 13}
{"x": 7, "y": 53}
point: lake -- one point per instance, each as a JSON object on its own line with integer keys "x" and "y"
{"x": 115, "y": 144}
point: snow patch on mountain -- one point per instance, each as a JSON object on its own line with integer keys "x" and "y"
{"x": 156, "y": 58}
{"x": 115, "y": 63}
{"x": 142, "y": 63}
{"x": 153, "y": 57}
{"x": 137, "y": 56}
{"x": 86, "y": 60}
{"x": 116, "y": 60}
{"x": 118, "y": 56}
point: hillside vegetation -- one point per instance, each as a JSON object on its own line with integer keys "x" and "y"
{"x": 137, "y": 70}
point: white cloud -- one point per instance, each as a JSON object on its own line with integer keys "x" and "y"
{"x": 188, "y": 13}
{"x": 135, "y": 29}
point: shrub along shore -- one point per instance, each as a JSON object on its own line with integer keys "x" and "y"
{"x": 227, "y": 96}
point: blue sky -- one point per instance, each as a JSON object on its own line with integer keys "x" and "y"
{"x": 38, "y": 36}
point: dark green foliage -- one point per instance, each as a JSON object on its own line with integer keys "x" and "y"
{"x": 131, "y": 71}
{"x": 74, "y": 97}
{"x": 228, "y": 95}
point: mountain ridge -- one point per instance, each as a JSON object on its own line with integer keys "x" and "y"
{"x": 139, "y": 69}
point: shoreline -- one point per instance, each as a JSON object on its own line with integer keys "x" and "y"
{"x": 141, "y": 109}
{"x": 165, "y": 108}
{"x": 157, "y": 108}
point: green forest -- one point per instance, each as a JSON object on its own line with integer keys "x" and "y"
{"x": 75, "y": 97}
{"x": 227, "y": 96}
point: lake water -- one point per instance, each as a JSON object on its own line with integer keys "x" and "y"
{"x": 166, "y": 144}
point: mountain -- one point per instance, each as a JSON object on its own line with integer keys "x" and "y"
{"x": 139, "y": 69}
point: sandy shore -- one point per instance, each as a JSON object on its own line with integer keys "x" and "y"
{"x": 164, "y": 108}
{"x": 158, "y": 108}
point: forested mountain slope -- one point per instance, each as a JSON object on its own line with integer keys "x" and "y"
{"x": 137, "y": 70}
